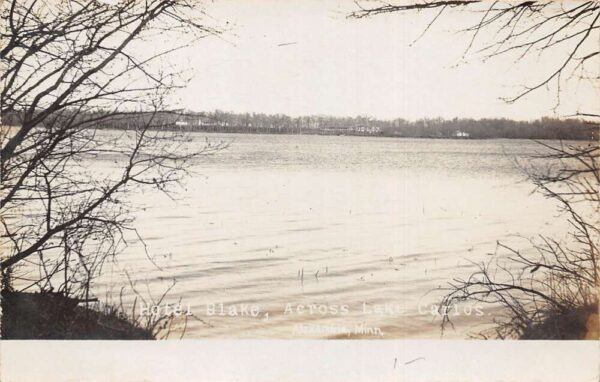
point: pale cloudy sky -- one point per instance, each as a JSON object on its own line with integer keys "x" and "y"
{"x": 305, "y": 57}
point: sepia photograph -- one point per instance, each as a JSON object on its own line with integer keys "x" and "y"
{"x": 385, "y": 180}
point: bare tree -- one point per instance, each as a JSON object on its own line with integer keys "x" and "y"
{"x": 70, "y": 69}
{"x": 552, "y": 292}
{"x": 521, "y": 28}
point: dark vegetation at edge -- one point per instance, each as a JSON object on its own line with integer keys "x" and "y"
{"x": 576, "y": 324}
{"x": 49, "y": 315}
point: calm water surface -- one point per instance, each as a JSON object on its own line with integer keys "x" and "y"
{"x": 362, "y": 230}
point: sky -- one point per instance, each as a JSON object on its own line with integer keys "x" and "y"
{"x": 307, "y": 58}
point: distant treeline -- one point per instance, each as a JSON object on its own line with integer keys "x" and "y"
{"x": 257, "y": 123}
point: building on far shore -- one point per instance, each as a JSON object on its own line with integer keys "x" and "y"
{"x": 367, "y": 130}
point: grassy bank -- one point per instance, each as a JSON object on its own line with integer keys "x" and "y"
{"x": 576, "y": 324}
{"x": 53, "y": 316}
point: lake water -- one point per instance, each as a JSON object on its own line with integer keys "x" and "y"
{"x": 325, "y": 236}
